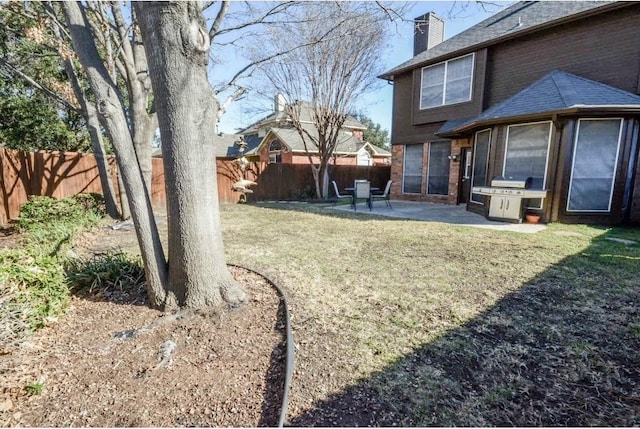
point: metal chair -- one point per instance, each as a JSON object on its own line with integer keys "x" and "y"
{"x": 362, "y": 191}
{"x": 384, "y": 196}
{"x": 338, "y": 195}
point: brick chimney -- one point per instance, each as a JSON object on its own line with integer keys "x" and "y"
{"x": 428, "y": 32}
{"x": 279, "y": 103}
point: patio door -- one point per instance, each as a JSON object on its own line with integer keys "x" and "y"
{"x": 464, "y": 188}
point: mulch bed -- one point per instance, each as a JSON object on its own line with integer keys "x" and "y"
{"x": 113, "y": 361}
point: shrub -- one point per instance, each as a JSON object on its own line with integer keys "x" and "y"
{"x": 33, "y": 286}
{"x": 81, "y": 210}
{"x": 120, "y": 271}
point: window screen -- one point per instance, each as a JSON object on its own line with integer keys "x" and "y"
{"x": 432, "y": 86}
{"x": 412, "y": 183}
{"x": 526, "y": 156}
{"x": 480, "y": 162}
{"x": 438, "y": 173}
{"x": 447, "y": 83}
{"x": 594, "y": 165}
{"x": 458, "y": 80}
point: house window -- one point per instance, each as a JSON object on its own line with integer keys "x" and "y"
{"x": 526, "y": 155}
{"x": 438, "y": 169}
{"x": 480, "y": 163}
{"x": 447, "y": 83}
{"x": 467, "y": 164}
{"x": 363, "y": 157}
{"x": 412, "y": 170}
{"x": 275, "y": 152}
{"x": 595, "y": 157}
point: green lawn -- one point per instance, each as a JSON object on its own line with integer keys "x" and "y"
{"x": 417, "y": 323}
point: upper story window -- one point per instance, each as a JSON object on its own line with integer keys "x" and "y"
{"x": 447, "y": 83}
{"x": 275, "y": 152}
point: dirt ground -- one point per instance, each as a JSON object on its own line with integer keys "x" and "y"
{"x": 110, "y": 360}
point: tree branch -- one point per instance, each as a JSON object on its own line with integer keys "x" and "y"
{"x": 215, "y": 27}
{"x": 48, "y": 92}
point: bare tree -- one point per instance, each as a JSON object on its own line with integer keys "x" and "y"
{"x": 333, "y": 61}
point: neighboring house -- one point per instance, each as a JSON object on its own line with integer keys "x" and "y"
{"x": 281, "y": 143}
{"x": 546, "y": 90}
{"x": 227, "y": 146}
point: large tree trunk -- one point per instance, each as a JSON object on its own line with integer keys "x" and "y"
{"x": 177, "y": 47}
{"x": 111, "y": 110}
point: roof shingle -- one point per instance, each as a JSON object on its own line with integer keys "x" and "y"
{"x": 555, "y": 92}
{"x": 519, "y": 18}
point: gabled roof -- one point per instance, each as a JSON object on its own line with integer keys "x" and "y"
{"x": 305, "y": 116}
{"x": 347, "y": 143}
{"x": 556, "y": 93}
{"x": 516, "y": 20}
{"x": 377, "y": 150}
{"x": 226, "y": 145}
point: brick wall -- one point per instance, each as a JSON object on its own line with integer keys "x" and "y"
{"x": 397, "y": 161}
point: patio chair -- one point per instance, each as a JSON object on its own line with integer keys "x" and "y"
{"x": 362, "y": 191}
{"x": 384, "y": 196}
{"x": 338, "y": 195}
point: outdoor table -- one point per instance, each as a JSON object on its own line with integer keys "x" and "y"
{"x": 351, "y": 190}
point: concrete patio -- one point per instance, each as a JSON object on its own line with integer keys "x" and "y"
{"x": 432, "y": 212}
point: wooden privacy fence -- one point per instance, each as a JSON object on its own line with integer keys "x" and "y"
{"x": 63, "y": 174}
{"x": 55, "y": 174}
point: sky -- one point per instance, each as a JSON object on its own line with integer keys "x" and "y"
{"x": 457, "y": 15}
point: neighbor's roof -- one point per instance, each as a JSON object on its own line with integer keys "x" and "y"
{"x": 518, "y": 19}
{"x": 305, "y": 116}
{"x": 557, "y": 92}
{"x": 226, "y": 145}
{"x": 347, "y": 143}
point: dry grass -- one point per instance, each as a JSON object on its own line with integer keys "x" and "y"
{"x": 416, "y": 323}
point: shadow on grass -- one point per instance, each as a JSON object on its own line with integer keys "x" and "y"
{"x": 561, "y": 351}
{"x": 361, "y": 214}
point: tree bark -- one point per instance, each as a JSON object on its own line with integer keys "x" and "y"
{"x": 137, "y": 78}
{"x": 177, "y": 48}
{"x": 112, "y": 114}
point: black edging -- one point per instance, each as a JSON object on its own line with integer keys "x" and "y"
{"x": 290, "y": 349}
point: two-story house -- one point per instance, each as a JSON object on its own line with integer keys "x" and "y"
{"x": 543, "y": 95}
{"x": 279, "y": 142}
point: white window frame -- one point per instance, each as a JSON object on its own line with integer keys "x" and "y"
{"x": 475, "y": 141}
{"x": 444, "y": 89}
{"x": 546, "y": 162}
{"x": 274, "y": 154}
{"x": 615, "y": 170}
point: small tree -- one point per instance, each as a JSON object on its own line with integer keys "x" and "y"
{"x": 374, "y": 134}
{"x": 322, "y": 79}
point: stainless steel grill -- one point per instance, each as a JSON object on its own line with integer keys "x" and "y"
{"x": 507, "y": 195}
